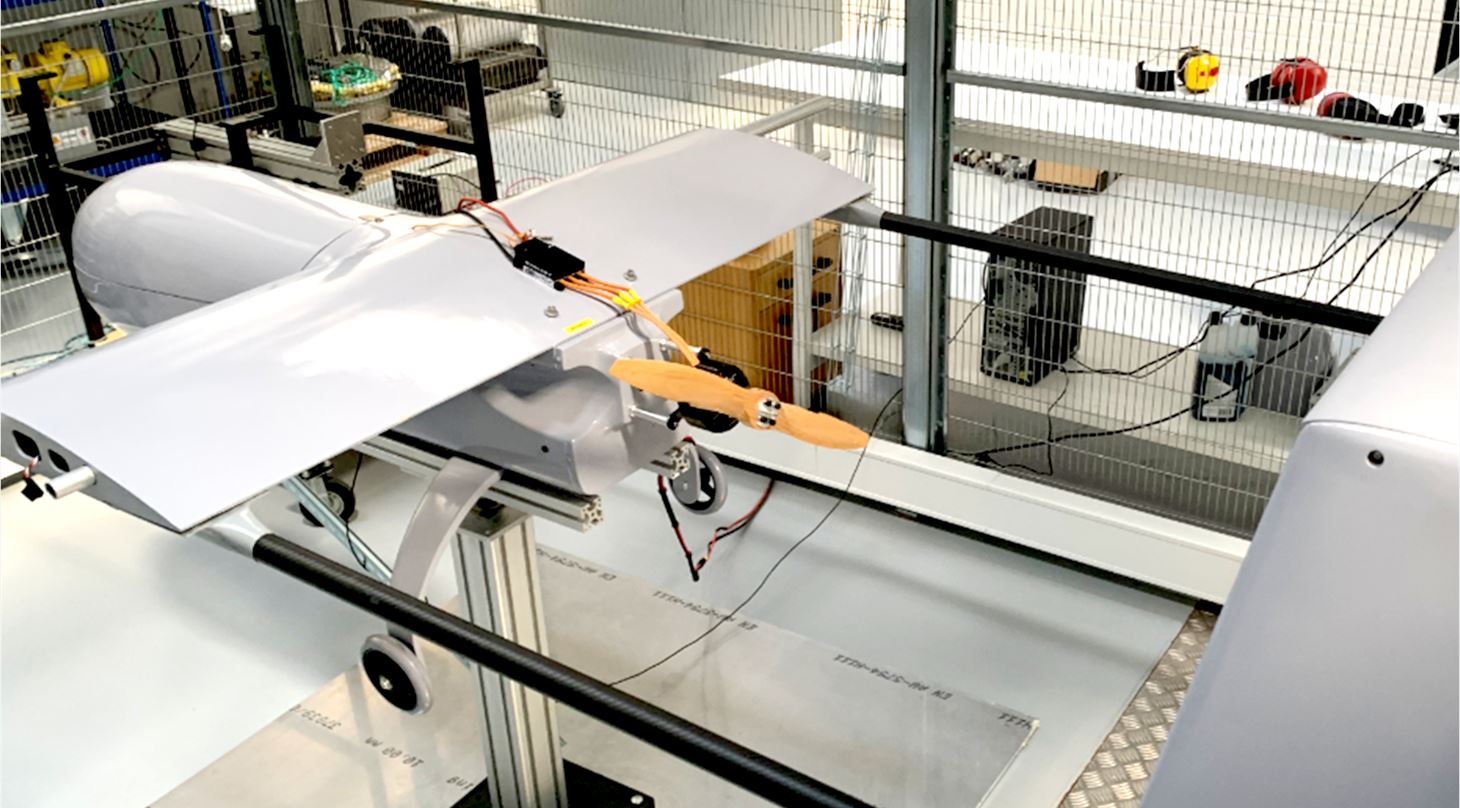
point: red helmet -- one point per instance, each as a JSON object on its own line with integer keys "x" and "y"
{"x": 1304, "y": 77}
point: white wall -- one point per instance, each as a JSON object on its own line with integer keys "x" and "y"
{"x": 1370, "y": 47}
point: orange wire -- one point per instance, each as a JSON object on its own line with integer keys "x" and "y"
{"x": 591, "y": 287}
{"x": 500, "y": 215}
{"x": 679, "y": 341}
{"x": 602, "y": 282}
{"x": 602, "y": 287}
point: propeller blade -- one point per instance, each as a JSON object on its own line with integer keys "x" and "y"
{"x": 700, "y": 388}
{"x": 819, "y": 428}
{"x": 697, "y": 388}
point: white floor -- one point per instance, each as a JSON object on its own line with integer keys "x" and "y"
{"x": 133, "y": 657}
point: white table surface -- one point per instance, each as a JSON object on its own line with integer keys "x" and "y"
{"x": 1119, "y": 126}
{"x": 133, "y": 657}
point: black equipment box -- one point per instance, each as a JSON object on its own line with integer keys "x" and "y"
{"x": 1032, "y": 312}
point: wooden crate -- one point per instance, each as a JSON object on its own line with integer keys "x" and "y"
{"x": 742, "y": 312}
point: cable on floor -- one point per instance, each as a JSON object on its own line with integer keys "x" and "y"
{"x": 846, "y": 492}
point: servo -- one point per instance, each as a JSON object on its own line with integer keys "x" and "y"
{"x": 544, "y": 260}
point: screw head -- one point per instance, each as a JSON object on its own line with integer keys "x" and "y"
{"x": 550, "y": 311}
{"x": 630, "y": 275}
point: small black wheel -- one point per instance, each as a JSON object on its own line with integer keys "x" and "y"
{"x": 397, "y": 674}
{"x": 339, "y": 498}
{"x": 556, "y": 105}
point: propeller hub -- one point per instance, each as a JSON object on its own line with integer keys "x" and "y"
{"x": 767, "y": 412}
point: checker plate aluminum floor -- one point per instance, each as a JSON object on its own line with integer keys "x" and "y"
{"x": 1118, "y": 774}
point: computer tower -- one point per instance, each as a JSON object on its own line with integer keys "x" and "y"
{"x": 1032, "y": 312}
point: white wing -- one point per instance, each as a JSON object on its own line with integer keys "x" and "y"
{"x": 191, "y": 417}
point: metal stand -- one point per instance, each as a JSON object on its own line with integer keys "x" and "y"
{"x": 496, "y": 567}
{"x": 926, "y": 127}
{"x": 496, "y": 563}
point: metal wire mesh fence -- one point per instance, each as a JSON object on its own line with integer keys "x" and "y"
{"x": 1084, "y": 383}
{"x": 116, "y": 74}
{"x": 1389, "y": 50}
{"x": 1114, "y": 374}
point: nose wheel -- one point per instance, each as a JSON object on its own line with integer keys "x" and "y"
{"x": 335, "y": 494}
{"x": 396, "y": 673}
{"x": 702, "y": 488}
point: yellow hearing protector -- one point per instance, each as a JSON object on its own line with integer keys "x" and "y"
{"x": 1196, "y": 70}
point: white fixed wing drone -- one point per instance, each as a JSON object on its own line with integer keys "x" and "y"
{"x": 284, "y": 325}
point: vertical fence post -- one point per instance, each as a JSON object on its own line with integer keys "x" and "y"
{"x": 179, "y": 62}
{"x": 58, "y": 191}
{"x": 803, "y": 321}
{"x": 285, "y": 46}
{"x": 927, "y": 103}
{"x": 481, "y": 129}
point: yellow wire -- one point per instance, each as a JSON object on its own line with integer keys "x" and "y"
{"x": 595, "y": 288}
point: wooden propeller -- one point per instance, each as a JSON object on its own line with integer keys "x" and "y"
{"x": 756, "y": 408}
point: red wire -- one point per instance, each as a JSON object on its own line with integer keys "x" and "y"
{"x": 510, "y": 188}
{"x": 722, "y": 532}
{"x": 500, "y": 215}
{"x": 719, "y": 532}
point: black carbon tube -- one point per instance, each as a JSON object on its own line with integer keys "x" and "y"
{"x": 1269, "y": 303}
{"x": 717, "y": 755}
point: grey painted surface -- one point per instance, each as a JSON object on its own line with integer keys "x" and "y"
{"x": 1331, "y": 678}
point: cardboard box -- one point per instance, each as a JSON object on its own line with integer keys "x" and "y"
{"x": 1067, "y": 177}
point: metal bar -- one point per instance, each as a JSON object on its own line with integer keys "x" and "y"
{"x": 695, "y": 745}
{"x": 210, "y": 39}
{"x": 576, "y": 511}
{"x": 58, "y": 190}
{"x": 795, "y": 113}
{"x": 927, "y": 99}
{"x": 287, "y": 67}
{"x": 113, "y": 60}
{"x": 481, "y": 129}
{"x": 802, "y": 281}
{"x": 81, "y": 178}
{"x": 240, "y": 153}
{"x": 115, "y": 154}
{"x": 1269, "y": 303}
{"x": 179, "y": 62}
{"x": 1329, "y": 126}
{"x": 667, "y": 37}
{"x": 419, "y": 137}
{"x": 347, "y": 22}
{"x": 496, "y": 573}
{"x": 88, "y": 16}
{"x": 235, "y": 60}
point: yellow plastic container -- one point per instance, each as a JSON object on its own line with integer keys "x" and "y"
{"x": 75, "y": 68}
